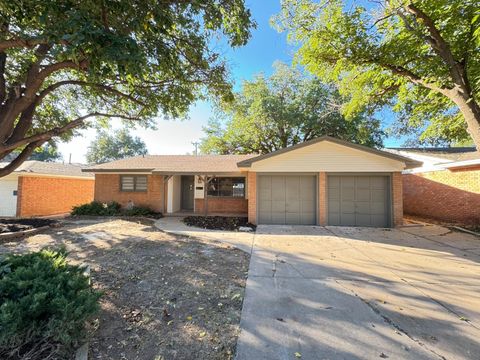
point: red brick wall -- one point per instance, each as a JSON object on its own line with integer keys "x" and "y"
{"x": 322, "y": 199}
{"x": 107, "y": 188}
{"x": 444, "y": 195}
{"x": 252, "y": 197}
{"x": 397, "y": 198}
{"x": 43, "y": 196}
{"x": 222, "y": 206}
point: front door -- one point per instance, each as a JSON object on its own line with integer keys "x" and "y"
{"x": 187, "y": 192}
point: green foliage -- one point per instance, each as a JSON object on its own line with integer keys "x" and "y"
{"x": 96, "y": 208}
{"x": 141, "y": 211}
{"x": 113, "y": 146}
{"x": 48, "y": 152}
{"x": 45, "y": 303}
{"x": 282, "y": 110}
{"x": 386, "y": 53}
{"x": 113, "y": 208}
{"x": 131, "y": 59}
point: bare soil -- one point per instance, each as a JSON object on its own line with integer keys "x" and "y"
{"x": 165, "y": 297}
{"x": 15, "y": 225}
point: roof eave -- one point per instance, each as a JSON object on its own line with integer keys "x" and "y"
{"x": 117, "y": 170}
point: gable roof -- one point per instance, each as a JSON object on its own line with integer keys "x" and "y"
{"x": 174, "y": 164}
{"x": 49, "y": 168}
{"x": 410, "y": 163}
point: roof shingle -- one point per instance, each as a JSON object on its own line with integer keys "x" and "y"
{"x": 169, "y": 164}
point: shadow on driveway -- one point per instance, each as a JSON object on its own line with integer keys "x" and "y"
{"x": 358, "y": 293}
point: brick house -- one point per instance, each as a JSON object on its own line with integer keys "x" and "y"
{"x": 322, "y": 181}
{"x": 39, "y": 188}
{"x": 446, "y": 187}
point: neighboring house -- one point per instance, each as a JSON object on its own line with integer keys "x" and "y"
{"x": 39, "y": 188}
{"x": 446, "y": 187}
{"x": 322, "y": 181}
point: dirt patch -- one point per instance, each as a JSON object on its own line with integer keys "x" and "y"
{"x": 165, "y": 296}
{"x": 218, "y": 222}
{"x": 15, "y": 225}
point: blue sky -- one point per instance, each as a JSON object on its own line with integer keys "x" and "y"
{"x": 175, "y": 137}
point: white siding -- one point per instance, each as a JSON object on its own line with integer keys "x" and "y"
{"x": 329, "y": 157}
{"x": 8, "y": 201}
{"x": 174, "y": 194}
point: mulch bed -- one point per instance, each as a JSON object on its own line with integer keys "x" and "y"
{"x": 218, "y": 222}
{"x": 16, "y": 225}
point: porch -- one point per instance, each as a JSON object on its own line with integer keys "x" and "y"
{"x": 224, "y": 195}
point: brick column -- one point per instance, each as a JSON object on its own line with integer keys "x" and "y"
{"x": 252, "y": 197}
{"x": 322, "y": 198}
{"x": 397, "y": 198}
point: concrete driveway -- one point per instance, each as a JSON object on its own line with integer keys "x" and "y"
{"x": 357, "y": 293}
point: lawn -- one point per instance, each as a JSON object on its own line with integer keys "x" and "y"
{"x": 165, "y": 296}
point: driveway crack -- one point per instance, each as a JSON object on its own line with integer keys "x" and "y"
{"x": 391, "y": 322}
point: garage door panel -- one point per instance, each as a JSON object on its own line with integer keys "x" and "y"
{"x": 333, "y": 182}
{"x": 347, "y": 219}
{"x": 361, "y": 200}
{"x": 292, "y": 218}
{"x": 363, "y": 220}
{"x": 362, "y": 194}
{"x": 362, "y": 207}
{"x": 347, "y": 194}
{"x": 278, "y": 218}
{"x": 378, "y": 182}
{"x": 378, "y": 208}
{"x": 378, "y": 195}
{"x": 308, "y": 218}
{"x": 307, "y": 206}
{"x": 287, "y": 199}
{"x": 333, "y": 194}
{"x": 347, "y": 181}
{"x": 378, "y": 220}
{"x": 347, "y": 207}
{"x": 362, "y": 182}
{"x": 293, "y": 206}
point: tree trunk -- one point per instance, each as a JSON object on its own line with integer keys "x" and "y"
{"x": 471, "y": 112}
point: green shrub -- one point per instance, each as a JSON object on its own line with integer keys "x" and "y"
{"x": 141, "y": 211}
{"x": 45, "y": 303}
{"x": 96, "y": 208}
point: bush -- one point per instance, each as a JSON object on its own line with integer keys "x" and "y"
{"x": 45, "y": 303}
{"x": 141, "y": 211}
{"x": 96, "y": 208}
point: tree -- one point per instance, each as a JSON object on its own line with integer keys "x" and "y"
{"x": 282, "y": 110}
{"x": 420, "y": 57}
{"x": 63, "y": 63}
{"x": 118, "y": 145}
{"x": 47, "y": 152}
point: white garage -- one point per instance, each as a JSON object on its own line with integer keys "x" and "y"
{"x": 8, "y": 195}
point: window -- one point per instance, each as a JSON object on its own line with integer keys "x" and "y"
{"x": 133, "y": 183}
{"x": 227, "y": 187}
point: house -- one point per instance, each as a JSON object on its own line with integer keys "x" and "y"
{"x": 322, "y": 181}
{"x": 446, "y": 187}
{"x": 39, "y": 188}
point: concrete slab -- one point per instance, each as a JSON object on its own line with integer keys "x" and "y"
{"x": 358, "y": 293}
{"x": 175, "y": 225}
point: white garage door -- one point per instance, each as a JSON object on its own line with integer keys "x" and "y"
{"x": 8, "y": 197}
{"x": 289, "y": 199}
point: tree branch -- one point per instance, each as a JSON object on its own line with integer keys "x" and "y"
{"x": 55, "y": 86}
{"x": 47, "y": 135}
{"x": 26, "y": 152}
